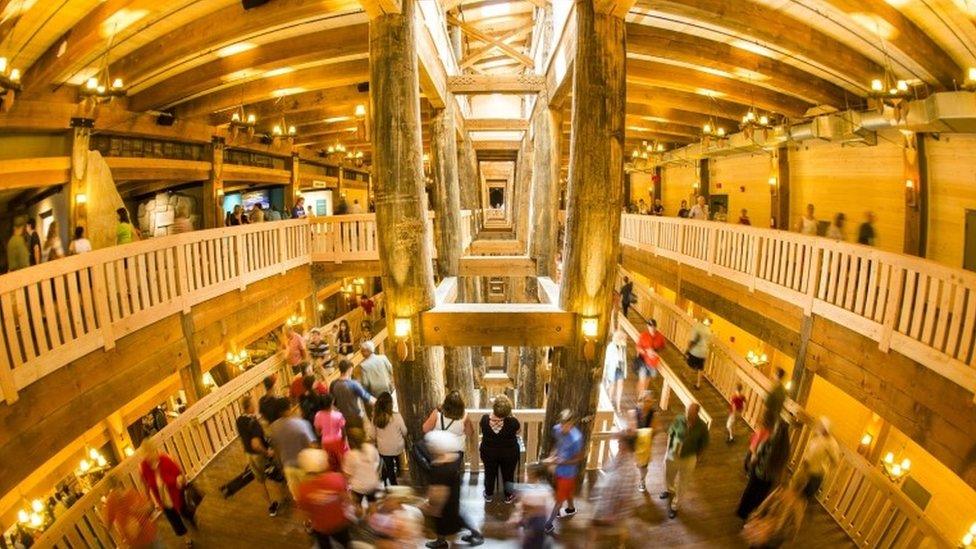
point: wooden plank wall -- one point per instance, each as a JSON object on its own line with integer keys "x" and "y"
{"x": 952, "y": 190}
{"x": 677, "y": 183}
{"x": 745, "y": 179}
{"x": 852, "y": 179}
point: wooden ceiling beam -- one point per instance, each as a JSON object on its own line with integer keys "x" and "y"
{"x": 907, "y": 38}
{"x": 496, "y": 145}
{"x": 474, "y": 57}
{"x": 496, "y": 124}
{"x": 283, "y": 54}
{"x": 672, "y": 115}
{"x": 314, "y": 101}
{"x": 755, "y": 21}
{"x": 315, "y": 78}
{"x": 496, "y": 83}
{"x": 687, "y": 101}
{"x": 376, "y": 8}
{"x": 742, "y": 64}
{"x": 687, "y": 79}
{"x": 474, "y": 32}
{"x": 229, "y": 25}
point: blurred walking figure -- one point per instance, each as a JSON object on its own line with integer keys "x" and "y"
{"x": 390, "y": 433}
{"x": 535, "y": 499}
{"x": 687, "y": 439}
{"x": 865, "y": 232}
{"x": 615, "y": 495}
{"x": 698, "y": 346}
{"x": 166, "y": 485}
{"x": 777, "y": 520}
{"x": 648, "y": 344}
{"x": 566, "y": 456}
{"x": 836, "y": 229}
{"x": 615, "y": 367}
{"x": 324, "y": 499}
{"x": 821, "y": 455}
{"x": 129, "y": 515}
{"x": 361, "y": 465}
{"x": 808, "y": 223}
{"x": 444, "y": 491}
{"x": 766, "y": 470}
{"x": 643, "y": 420}
{"x": 736, "y": 403}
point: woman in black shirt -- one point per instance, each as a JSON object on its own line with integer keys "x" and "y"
{"x": 344, "y": 338}
{"x": 500, "y": 447}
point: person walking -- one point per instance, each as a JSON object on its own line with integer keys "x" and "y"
{"x": 777, "y": 521}
{"x": 820, "y": 456}
{"x": 53, "y": 247}
{"x": 375, "y": 371}
{"x": 698, "y": 346}
{"x": 687, "y": 440}
{"x": 500, "y": 447}
{"x": 390, "y": 433}
{"x": 324, "y": 498}
{"x": 627, "y": 297}
{"x": 18, "y": 252}
{"x": 615, "y": 500}
{"x": 330, "y": 425}
{"x": 129, "y": 515}
{"x": 775, "y": 398}
{"x": 836, "y": 230}
{"x": 865, "y": 233}
{"x": 290, "y": 435}
{"x": 266, "y": 404}
{"x": 295, "y": 351}
{"x": 736, "y": 403}
{"x": 535, "y": 499}
{"x": 80, "y": 244}
{"x": 699, "y": 210}
{"x": 567, "y": 453}
{"x": 808, "y": 223}
{"x": 256, "y": 448}
{"x": 767, "y": 470}
{"x": 642, "y": 422}
{"x": 347, "y": 394}
{"x": 166, "y": 485}
{"x": 361, "y": 465}
{"x": 344, "y": 339}
{"x": 444, "y": 491}
{"x": 615, "y": 367}
{"x": 33, "y": 242}
{"x": 318, "y": 350}
{"x": 125, "y": 232}
{"x": 648, "y": 344}
{"x": 451, "y": 416}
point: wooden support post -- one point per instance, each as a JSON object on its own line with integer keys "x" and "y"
{"x": 779, "y": 191}
{"x": 191, "y": 375}
{"x": 802, "y": 376}
{"x": 703, "y": 179}
{"x": 447, "y": 213}
{"x": 118, "y": 435}
{"x": 547, "y": 126}
{"x": 521, "y": 197}
{"x": 468, "y": 178}
{"x": 213, "y": 188}
{"x": 594, "y": 202}
{"x": 78, "y": 192}
{"x": 401, "y": 213}
{"x": 916, "y": 196}
{"x": 293, "y": 188}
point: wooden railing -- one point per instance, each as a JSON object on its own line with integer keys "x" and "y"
{"x": 340, "y": 238}
{"x": 59, "y": 311}
{"x": 870, "y": 508}
{"x": 923, "y": 310}
{"x": 468, "y": 227}
{"x": 194, "y": 439}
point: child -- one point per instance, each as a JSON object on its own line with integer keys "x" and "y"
{"x": 736, "y": 403}
{"x": 330, "y": 424}
{"x": 532, "y": 511}
{"x": 361, "y": 466}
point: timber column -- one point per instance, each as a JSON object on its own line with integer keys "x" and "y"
{"x": 545, "y": 195}
{"x": 401, "y": 212}
{"x": 213, "y": 188}
{"x": 595, "y": 196}
{"x": 447, "y": 214}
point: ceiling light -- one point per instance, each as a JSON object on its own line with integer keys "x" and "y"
{"x": 360, "y": 110}
{"x": 235, "y": 49}
{"x": 335, "y": 119}
{"x": 13, "y": 9}
{"x": 278, "y": 72}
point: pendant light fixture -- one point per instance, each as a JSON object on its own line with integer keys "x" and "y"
{"x": 101, "y": 87}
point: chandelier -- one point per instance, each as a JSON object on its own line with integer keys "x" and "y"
{"x": 9, "y": 76}
{"x": 101, "y": 87}
{"x": 895, "y": 470}
{"x": 355, "y": 158}
{"x": 710, "y": 132}
{"x": 646, "y": 150}
{"x": 752, "y": 122}
{"x": 240, "y": 122}
{"x": 338, "y": 148}
{"x": 281, "y": 131}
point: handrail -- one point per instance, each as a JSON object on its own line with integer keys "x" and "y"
{"x": 923, "y": 310}
{"x": 895, "y": 520}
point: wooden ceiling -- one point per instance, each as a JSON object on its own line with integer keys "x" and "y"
{"x": 306, "y": 61}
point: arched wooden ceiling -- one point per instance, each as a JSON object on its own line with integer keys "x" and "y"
{"x": 689, "y": 61}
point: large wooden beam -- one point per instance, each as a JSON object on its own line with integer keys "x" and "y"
{"x": 755, "y": 21}
{"x": 496, "y": 83}
{"x": 496, "y": 145}
{"x": 496, "y": 124}
{"x": 659, "y": 113}
{"x": 229, "y": 25}
{"x": 313, "y": 101}
{"x": 595, "y": 198}
{"x": 502, "y": 45}
{"x": 401, "y": 211}
{"x": 640, "y": 124}
{"x": 283, "y": 55}
{"x": 497, "y": 265}
{"x": 376, "y": 8}
{"x": 496, "y": 247}
{"x": 150, "y": 169}
{"x": 25, "y": 173}
{"x": 676, "y": 77}
{"x": 433, "y": 73}
{"x": 315, "y": 78}
{"x": 658, "y": 96}
{"x": 486, "y": 324}
{"x": 477, "y": 55}
{"x": 726, "y": 59}
{"x": 916, "y": 197}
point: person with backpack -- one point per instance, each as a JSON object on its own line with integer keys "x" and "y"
{"x": 256, "y": 448}
{"x": 627, "y": 297}
{"x": 451, "y": 417}
{"x": 347, "y": 394}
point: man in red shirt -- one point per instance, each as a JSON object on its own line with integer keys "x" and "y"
{"x": 129, "y": 514}
{"x": 324, "y": 498}
{"x": 648, "y": 344}
{"x": 367, "y": 304}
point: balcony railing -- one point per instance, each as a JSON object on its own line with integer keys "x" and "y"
{"x": 868, "y": 506}
{"x": 923, "y": 310}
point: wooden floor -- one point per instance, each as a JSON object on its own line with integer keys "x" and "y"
{"x": 707, "y": 517}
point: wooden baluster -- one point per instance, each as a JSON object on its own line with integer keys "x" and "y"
{"x": 183, "y": 277}
{"x": 103, "y": 318}
{"x": 812, "y": 278}
{"x": 891, "y": 308}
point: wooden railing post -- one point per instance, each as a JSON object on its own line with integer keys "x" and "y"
{"x": 711, "y": 243}
{"x": 182, "y": 276}
{"x": 241, "y": 264}
{"x": 665, "y": 394}
{"x": 100, "y": 298}
{"x": 895, "y": 289}
{"x": 282, "y": 248}
{"x": 7, "y": 386}
{"x": 754, "y": 249}
{"x": 813, "y": 279}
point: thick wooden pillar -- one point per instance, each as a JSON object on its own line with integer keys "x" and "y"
{"x": 545, "y": 194}
{"x": 78, "y": 192}
{"x": 293, "y": 186}
{"x": 779, "y": 190}
{"x": 401, "y": 214}
{"x": 447, "y": 212}
{"x": 213, "y": 188}
{"x": 703, "y": 180}
{"x": 594, "y": 199}
{"x": 521, "y": 198}
{"x": 468, "y": 179}
{"x": 916, "y": 196}
{"x": 191, "y": 375}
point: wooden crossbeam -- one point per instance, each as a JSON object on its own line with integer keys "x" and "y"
{"x": 376, "y": 8}
{"x": 496, "y": 145}
{"x": 480, "y": 54}
{"x": 496, "y": 83}
{"x": 496, "y": 247}
{"x": 496, "y": 124}
{"x": 486, "y": 324}
{"x": 498, "y": 265}
{"x": 477, "y": 34}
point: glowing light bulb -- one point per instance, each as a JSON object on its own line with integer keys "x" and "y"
{"x": 877, "y": 85}
{"x": 101, "y": 461}
{"x": 972, "y": 529}
{"x": 707, "y": 128}
{"x": 252, "y": 118}
{"x": 276, "y": 130}
{"x": 129, "y": 451}
{"x": 764, "y": 120}
{"x": 889, "y": 458}
{"x": 236, "y": 117}
{"x": 36, "y": 520}
{"x": 360, "y": 110}
{"x": 100, "y": 88}
{"x": 909, "y": 184}
{"x": 902, "y": 85}
{"x": 84, "y": 466}
{"x": 37, "y": 505}
{"x": 866, "y": 439}
{"x": 896, "y": 470}
{"x": 117, "y": 84}
{"x": 22, "y": 516}
{"x": 660, "y": 147}
{"x": 292, "y": 130}
{"x": 720, "y": 132}
{"x": 634, "y": 154}
{"x": 230, "y": 356}
{"x": 93, "y": 453}
{"x": 967, "y": 540}
{"x": 971, "y": 76}
{"x": 15, "y": 75}
{"x": 906, "y": 464}
{"x": 91, "y": 83}
{"x": 772, "y": 181}
{"x": 3, "y": 65}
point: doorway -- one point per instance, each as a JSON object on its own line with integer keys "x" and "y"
{"x": 969, "y": 246}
